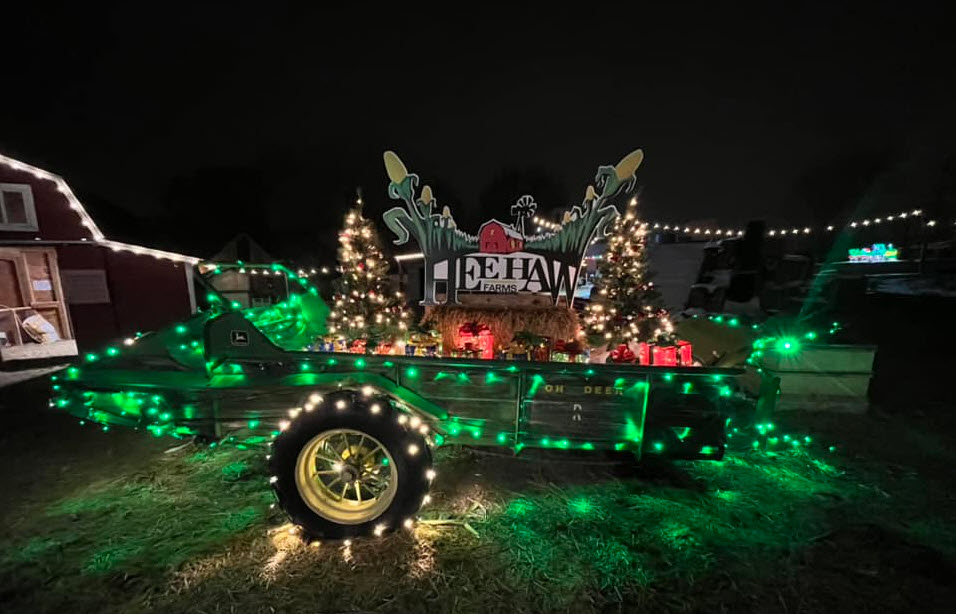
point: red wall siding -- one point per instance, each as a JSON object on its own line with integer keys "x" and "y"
{"x": 146, "y": 293}
{"x": 57, "y": 222}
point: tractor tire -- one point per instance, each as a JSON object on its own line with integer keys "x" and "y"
{"x": 349, "y": 465}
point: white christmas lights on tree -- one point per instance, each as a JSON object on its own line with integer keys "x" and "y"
{"x": 363, "y": 306}
{"x": 625, "y": 306}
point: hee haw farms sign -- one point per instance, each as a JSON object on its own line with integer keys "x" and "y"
{"x": 502, "y": 258}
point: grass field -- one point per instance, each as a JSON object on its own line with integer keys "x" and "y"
{"x": 119, "y": 522}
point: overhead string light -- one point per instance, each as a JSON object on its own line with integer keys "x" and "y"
{"x": 781, "y": 232}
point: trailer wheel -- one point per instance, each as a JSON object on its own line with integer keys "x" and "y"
{"x": 350, "y": 466}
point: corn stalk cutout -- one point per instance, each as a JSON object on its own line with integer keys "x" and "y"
{"x": 553, "y": 258}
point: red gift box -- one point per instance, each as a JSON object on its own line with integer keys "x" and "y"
{"x": 665, "y": 356}
{"x": 685, "y": 353}
{"x": 476, "y": 338}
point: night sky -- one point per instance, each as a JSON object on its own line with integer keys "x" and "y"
{"x": 181, "y": 125}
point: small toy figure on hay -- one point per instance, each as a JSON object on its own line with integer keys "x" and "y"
{"x": 423, "y": 340}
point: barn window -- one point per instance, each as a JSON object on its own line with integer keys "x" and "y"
{"x": 16, "y": 207}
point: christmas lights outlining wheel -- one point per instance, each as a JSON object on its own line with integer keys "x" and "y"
{"x": 347, "y": 466}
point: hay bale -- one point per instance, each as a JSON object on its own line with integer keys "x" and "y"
{"x": 550, "y": 321}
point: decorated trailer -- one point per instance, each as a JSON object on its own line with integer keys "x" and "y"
{"x": 349, "y": 434}
{"x": 350, "y": 437}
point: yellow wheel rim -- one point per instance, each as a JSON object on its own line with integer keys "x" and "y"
{"x": 346, "y": 476}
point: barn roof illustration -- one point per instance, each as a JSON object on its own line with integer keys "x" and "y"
{"x": 510, "y": 230}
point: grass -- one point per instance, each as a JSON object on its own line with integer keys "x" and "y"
{"x": 113, "y": 522}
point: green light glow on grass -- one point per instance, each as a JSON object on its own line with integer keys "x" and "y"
{"x": 581, "y": 506}
{"x": 726, "y": 391}
{"x": 707, "y": 450}
{"x": 491, "y": 378}
{"x": 564, "y": 444}
{"x": 545, "y": 442}
{"x": 388, "y": 363}
{"x": 513, "y": 368}
{"x": 587, "y": 445}
{"x": 668, "y": 377}
{"x": 332, "y": 361}
{"x": 520, "y": 507}
{"x": 360, "y": 363}
{"x": 181, "y": 329}
{"x": 305, "y": 367}
{"x": 411, "y": 372}
{"x": 91, "y": 357}
{"x": 454, "y": 430}
{"x": 254, "y": 424}
{"x": 502, "y": 438}
{"x": 658, "y": 446}
{"x": 463, "y": 377}
{"x": 536, "y": 382}
{"x": 112, "y": 351}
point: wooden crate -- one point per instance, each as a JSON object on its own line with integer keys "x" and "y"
{"x": 822, "y": 377}
{"x": 30, "y": 282}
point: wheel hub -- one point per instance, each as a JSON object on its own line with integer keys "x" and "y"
{"x": 346, "y": 476}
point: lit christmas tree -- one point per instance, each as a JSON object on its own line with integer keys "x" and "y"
{"x": 363, "y": 306}
{"x": 625, "y": 306}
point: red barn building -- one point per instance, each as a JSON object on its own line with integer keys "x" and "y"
{"x": 497, "y": 238}
{"x": 55, "y": 263}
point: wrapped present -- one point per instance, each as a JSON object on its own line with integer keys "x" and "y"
{"x": 476, "y": 340}
{"x": 664, "y": 356}
{"x": 622, "y": 354}
{"x": 685, "y": 354}
{"x": 340, "y": 345}
{"x": 517, "y": 351}
{"x": 383, "y": 348}
{"x": 567, "y": 351}
{"x": 358, "y": 346}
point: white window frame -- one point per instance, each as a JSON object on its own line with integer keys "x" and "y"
{"x": 26, "y": 192}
